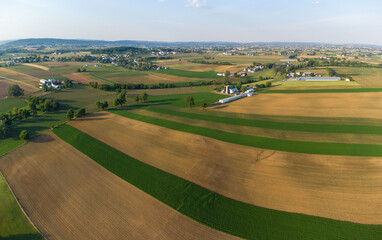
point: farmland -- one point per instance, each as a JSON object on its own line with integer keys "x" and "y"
{"x": 291, "y": 160}
{"x": 131, "y": 212}
{"x": 197, "y": 155}
{"x": 18, "y": 226}
{"x": 347, "y": 104}
{"x": 220, "y": 212}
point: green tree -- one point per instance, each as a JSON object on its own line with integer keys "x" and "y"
{"x": 99, "y": 105}
{"x": 81, "y": 112}
{"x": 105, "y": 104}
{"x": 227, "y": 76}
{"x": 136, "y": 99}
{"x": 24, "y": 135}
{"x": 3, "y": 128}
{"x": 190, "y": 101}
{"x": 144, "y": 96}
{"x": 116, "y": 102}
{"x": 244, "y": 88}
{"x": 70, "y": 114}
{"x": 204, "y": 105}
{"x": 15, "y": 90}
{"x": 239, "y": 85}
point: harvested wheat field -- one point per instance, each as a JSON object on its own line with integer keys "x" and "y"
{"x": 72, "y": 197}
{"x": 362, "y": 104}
{"x": 337, "y": 187}
{"x": 36, "y": 66}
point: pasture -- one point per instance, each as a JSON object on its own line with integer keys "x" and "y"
{"x": 348, "y": 103}
{"x": 13, "y": 223}
{"x": 7, "y": 104}
{"x": 131, "y": 213}
{"x": 210, "y": 208}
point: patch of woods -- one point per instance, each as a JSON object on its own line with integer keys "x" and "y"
{"x": 35, "y": 106}
{"x": 203, "y": 61}
{"x": 120, "y": 86}
{"x": 70, "y": 114}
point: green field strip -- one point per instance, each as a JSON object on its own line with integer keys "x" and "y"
{"x": 212, "y": 209}
{"x": 344, "y": 90}
{"x": 189, "y": 74}
{"x": 13, "y": 223}
{"x": 324, "y": 148}
{"x": 287, "y": 126}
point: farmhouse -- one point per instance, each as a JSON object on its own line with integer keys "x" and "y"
{"x": 51, "y": 83}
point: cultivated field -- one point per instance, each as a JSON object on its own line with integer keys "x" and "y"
{"x": 73, "y": 200}
{"x": 13, "y": 223}
{"x": 310, "y": 84}
{"x": 278, "y": 180}
{"x": 357, "y": 104}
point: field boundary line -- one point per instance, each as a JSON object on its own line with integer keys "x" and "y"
{"x": 18, "y": 203}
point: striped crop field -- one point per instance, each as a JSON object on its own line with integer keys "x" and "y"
{"x": 324, "y": 148}
{"x": 212, "y": 209}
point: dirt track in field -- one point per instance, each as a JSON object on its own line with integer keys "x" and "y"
{"x": 69, "y": 196}
{"x": 365, "y": 105}
{"x": 36, "y": 66}
{"x": 343, "y": 188}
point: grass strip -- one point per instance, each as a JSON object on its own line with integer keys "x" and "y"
{"x": 325, "y": 148}
{"x": 234, "y": 217}
{"x": 287, "y": 126}
{"x": 344, "y": 90}
{"x": 13, "y": 223}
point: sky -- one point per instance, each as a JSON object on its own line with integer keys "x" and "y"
{"x": 327, "y": 21}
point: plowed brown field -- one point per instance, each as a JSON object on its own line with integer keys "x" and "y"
{"x": 69, "y": 196}
{"x": 363, "y": 104}
{"x": 337, "y": 187}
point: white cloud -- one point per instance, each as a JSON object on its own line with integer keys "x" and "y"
{"x": 316, "y": 2}
{"x": 195, "y": 3}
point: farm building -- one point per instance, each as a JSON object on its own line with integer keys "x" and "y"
{"x": 227, "y": 90}
{"x": 236, "y": 97}
{"x": 319, "y": 79}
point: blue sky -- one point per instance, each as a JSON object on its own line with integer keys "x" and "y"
{"x": 332, "y": 21}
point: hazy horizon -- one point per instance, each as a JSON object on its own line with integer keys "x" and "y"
{"x": 243, "y": 21}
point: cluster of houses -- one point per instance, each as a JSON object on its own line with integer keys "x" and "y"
{"x": 253, "y": 69}
{"x": 51, "y": 83}
{"x": 159, "y": 68}
{"x": 301, "y": 74}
